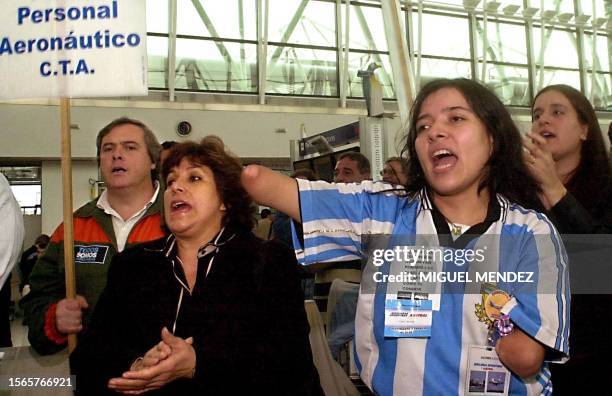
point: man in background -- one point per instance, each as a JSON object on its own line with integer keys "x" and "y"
{"x": 263, "y": 229}
{"x": 126, "y": 213}
{"x": 352, "y": 167}
{"x": 395, "y": 171}
{"x": 29, "y": 258}
{"x": 165, "y": 149}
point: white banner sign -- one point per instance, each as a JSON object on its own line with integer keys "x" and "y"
{"x": 72, "y": 48}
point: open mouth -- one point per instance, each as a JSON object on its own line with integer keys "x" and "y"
{"x": 443, "y": 159}
{"x": 178, "y": 206}
{"x": 118, "y": 170}
{"x": 547, "y": 135}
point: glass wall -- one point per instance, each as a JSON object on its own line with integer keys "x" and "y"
{"x": 516, "y": 47}
{"x": 503, "y": 63}
{"x": 302, "y": 56}
{"x": 367, "y": 45}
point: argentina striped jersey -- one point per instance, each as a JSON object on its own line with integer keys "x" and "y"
{"x": 336, "y": 220}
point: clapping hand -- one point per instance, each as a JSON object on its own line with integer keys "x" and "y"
{"x": 171, "y": 359}
{"x": 541, "y": 165}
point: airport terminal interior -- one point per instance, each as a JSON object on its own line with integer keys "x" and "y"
{"x": 284, "y": 84}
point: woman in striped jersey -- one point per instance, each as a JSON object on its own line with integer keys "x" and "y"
{"x": 469, "y": 195}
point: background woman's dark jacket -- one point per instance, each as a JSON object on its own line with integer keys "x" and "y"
{"x": 570, "y": 217}
{"x": 590, "y": 345}
{"x": 247, "y": 318}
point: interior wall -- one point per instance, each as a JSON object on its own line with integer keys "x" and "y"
{"x": 33, "y": 227}
{"x": 51, "y": 197}
{"x": 248, "y": 134}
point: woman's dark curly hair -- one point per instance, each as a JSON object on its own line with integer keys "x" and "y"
{"x": 506, "y": 173}
{"x": 226, "y": 169}
{"x": 590, "y": 183}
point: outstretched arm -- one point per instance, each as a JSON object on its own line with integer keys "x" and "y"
{"x": 272, "y": 189}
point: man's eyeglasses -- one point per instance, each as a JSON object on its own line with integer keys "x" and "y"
{"x": 388, "y": 172}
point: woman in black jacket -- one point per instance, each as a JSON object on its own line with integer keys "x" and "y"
{"x": 566, "y": 154}
{"x": 210, "y": 309}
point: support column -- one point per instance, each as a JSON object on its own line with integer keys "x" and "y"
{"x": 400, "y": 60}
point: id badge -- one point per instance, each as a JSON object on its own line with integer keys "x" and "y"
{"x": 486, "y": 374}
{"x": 407, "y": 279}
{"x": 408, "y": 318}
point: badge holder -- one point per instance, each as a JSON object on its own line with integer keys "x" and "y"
{"x": 409, "y": 306}
{"x": 408, "y": 318}
{"x": 486, "y": 374}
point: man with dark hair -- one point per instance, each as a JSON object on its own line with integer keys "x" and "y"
{"x": 29, "y": 258}
{"x": 395, "y": 171}
{"x": 165, "y": 149}
{"x": 126, "y": 213}
{"x": 352, "y": 167}
{"x": 265, "y": 213}
{"x": 263, "y": 229}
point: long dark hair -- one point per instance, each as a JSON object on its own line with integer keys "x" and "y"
{"x": 505, "y": 171}
{"x": 226, "y": 169}
{"x": 590, "y": 183}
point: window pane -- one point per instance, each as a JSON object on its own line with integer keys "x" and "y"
{"x": 598, "y": 12}
{"x": 603, "y": 55}
{"x": 559, "y": 48}
{"x": 299, "y": 71}
{"x": 558, "y": 77}
{"x": 602, "y": 98}
{"x": 224, "y": 20}
{"x": 452, "y": 41}
{"x": 302, "y": 22}
{"x": 436, "y": 68}
{"x": 358, "y": 61}
{"x": 27, "y": 195}
{"x": 157, "y": 16}
{"x": 560, "y": 6}
{"x": 507, "y": 43}
{"x": 157, "y": 50}
{"x": 510, "y": 83}
{"x": 366, "y": 28}
{"x": 203, "y": 65}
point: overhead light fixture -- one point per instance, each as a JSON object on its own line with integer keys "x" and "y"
{"x": 492, "y": 6}
{"x": 582, "y": 19}
{"x": 549, "y": 15}
{"x": 565, "y": 17}
{"x": 599, "y": 22}
{"x": 511, "y": 9}
{"x": 470, "y": 4}
{"x": 530, "y": 12}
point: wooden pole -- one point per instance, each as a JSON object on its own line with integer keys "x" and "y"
{"x": 67, "y": 195}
